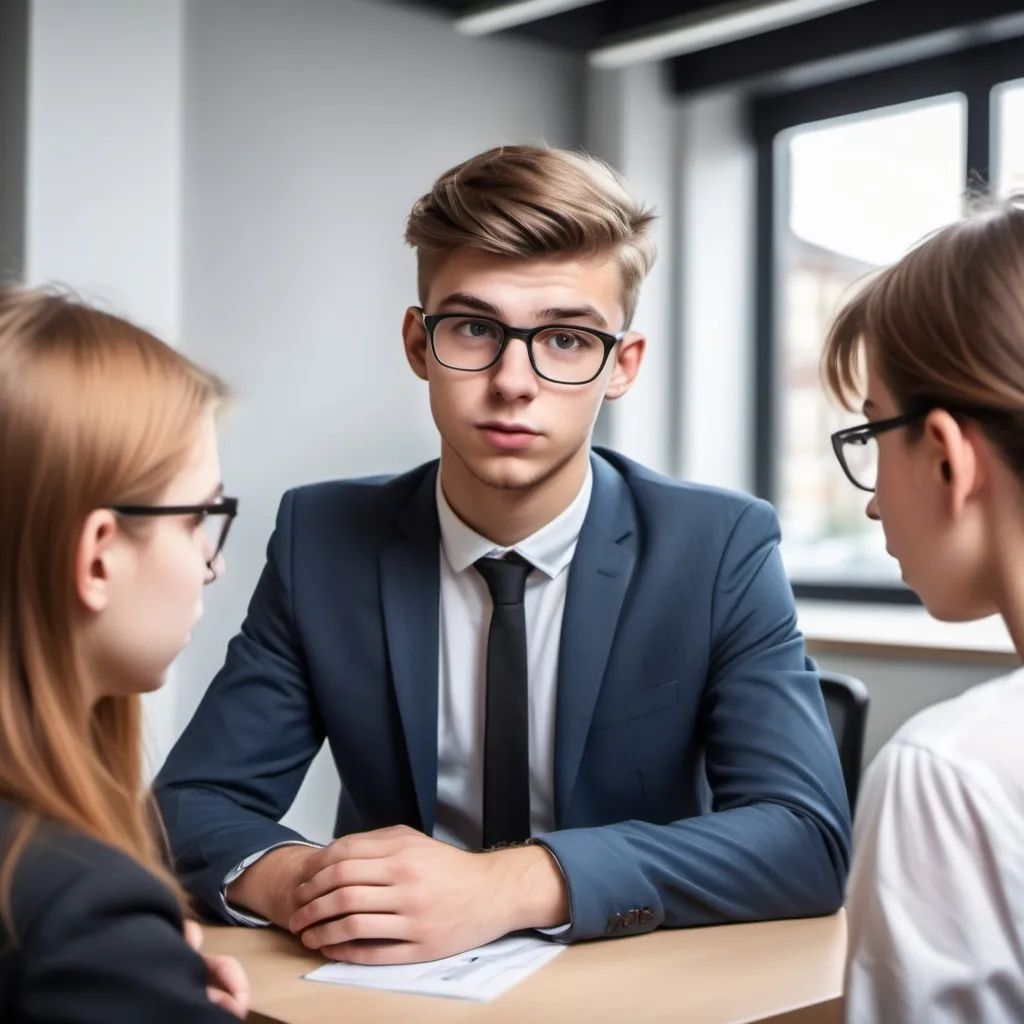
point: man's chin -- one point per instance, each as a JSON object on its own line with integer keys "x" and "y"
{"x": 508, "y": 474}
{"x": 509, "y": 471}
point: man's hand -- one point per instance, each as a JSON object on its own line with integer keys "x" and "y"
{"x": 227, "y": 986}
{"x": 397, "y": 896}
{"x": 267, "y": 887}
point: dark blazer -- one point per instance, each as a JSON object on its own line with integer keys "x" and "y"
{"x": 683, "y": 688}
{"x": 97, "y": 939}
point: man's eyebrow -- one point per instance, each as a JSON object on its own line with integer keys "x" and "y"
{"x": 470, "y": 302}
{"x": 584, "y": 312}
{"x": 552, "y": 314}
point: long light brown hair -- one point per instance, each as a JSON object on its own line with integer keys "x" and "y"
{"x": 945, "y": 327}
{"x": 526, "y": 202}
{"x": 94, "y": 412}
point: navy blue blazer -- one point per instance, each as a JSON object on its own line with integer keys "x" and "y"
{"x": 696, "y": 776}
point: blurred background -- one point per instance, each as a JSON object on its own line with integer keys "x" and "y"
{"x": 235, "y": 175}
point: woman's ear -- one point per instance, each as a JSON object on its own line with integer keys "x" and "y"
{"x": 628, "y": 355}
{"x": 94, "y": 560}
{"x": 957, "y": 458}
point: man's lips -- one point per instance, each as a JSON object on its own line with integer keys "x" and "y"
{"x": 508, "y": 436}
{"x": 508, "y": 428}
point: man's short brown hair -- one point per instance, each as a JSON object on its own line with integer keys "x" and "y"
{"x": 526, "y": 202}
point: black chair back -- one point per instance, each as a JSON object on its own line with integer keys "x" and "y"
{"x": 846, "y": 701}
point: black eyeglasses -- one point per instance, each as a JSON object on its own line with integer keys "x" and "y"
{"x": 560, "y": 353}
{"x": 857, "y": 451}
{"x": 225, "y": 508}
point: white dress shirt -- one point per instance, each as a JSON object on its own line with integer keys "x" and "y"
{"x": 936, "y": 898}
{"x": 465, "y": 616}
{"x": 464, "y": 620}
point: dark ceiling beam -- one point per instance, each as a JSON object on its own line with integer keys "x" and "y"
{"x": 849, "y": 42}
{"x": 710, "y": 28}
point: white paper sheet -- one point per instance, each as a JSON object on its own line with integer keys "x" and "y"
{"x": 481, "y": 974}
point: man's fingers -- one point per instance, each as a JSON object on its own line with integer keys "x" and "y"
{"x": 373, "y": 953}
{"x": 362, "y": 846}
{"x": 350, "y": 899}
{"x": 357, "y": 927}
{"x": 340, "y": 874}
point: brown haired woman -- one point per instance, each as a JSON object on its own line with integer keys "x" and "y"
{"x": 936, "y": 899}
{"x": 111, "y": 522}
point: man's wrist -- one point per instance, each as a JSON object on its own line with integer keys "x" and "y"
{"x": 266, "y": 887}
{"x": 530, "y": 888}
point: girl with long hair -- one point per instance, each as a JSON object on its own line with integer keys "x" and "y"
{"x": 112, "y": 520}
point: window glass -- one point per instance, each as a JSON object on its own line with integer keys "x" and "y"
{"x": 855, "y": 193}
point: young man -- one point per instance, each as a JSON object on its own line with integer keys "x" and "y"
{"x": 587, "y": 671}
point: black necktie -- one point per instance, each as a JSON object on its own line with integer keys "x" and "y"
{"x": 506, "y": 729}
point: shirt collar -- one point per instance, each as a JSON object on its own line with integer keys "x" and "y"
{"x": 550, "y": 549}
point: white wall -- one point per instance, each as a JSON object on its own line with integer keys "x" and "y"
{"x": 310, "y": 129}
{"x": 716, "y": 290}
{"x": 631, "y": 122}
{"x": 103, "y": 210}
{"x": 104, "y": 153}
{"x": 691, "y": 411}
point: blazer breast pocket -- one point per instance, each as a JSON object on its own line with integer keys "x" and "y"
{"x": 620, "y": 710}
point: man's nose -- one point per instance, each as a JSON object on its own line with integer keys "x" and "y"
{"x": 513, "y": 376}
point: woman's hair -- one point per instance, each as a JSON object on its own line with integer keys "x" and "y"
{"x": 945, "y": 326}
{"x": 526, "y": 202}
{"x": 94, "y": 412}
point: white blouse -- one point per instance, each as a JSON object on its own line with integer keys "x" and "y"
{"x": 936, "y": 897}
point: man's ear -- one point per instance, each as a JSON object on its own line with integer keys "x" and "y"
{"x": 414, "y": 338}
{"x": 94, "y": 560}
{"x": 957, "y": 458}
{"x": 628, "y": 355}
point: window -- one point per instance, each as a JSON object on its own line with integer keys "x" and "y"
{"x": 1009, "y": 141}
{"x": 859, "y": 192}
{"x": 852, "y": 174}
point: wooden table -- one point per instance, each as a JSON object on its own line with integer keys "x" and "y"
{"x": 783, "y": 972}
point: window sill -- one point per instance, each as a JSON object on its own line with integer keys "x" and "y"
{"x": 903, "y": 633}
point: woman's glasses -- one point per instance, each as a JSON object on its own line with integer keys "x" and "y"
{"x": 857, "y": 450}
{"x": 225, "y": 509}
{"x": 856, "y": 447}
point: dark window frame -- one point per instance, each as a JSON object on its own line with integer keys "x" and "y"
{"x": 975, "y": 72}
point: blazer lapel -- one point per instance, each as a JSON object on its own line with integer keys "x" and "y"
{"x": 598, "y": 578}
{"x": 410, "y": 593}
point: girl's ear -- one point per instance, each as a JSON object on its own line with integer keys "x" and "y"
{"x": 94, "y": 560}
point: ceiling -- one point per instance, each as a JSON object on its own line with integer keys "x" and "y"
{"x": 587, "y": 27}
{"x": 873, "y": 34}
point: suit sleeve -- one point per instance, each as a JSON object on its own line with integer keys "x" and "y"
{"x": 108, "y": 949}
{"x": 238, "y": 765}
{"x": 777, "y": 842}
